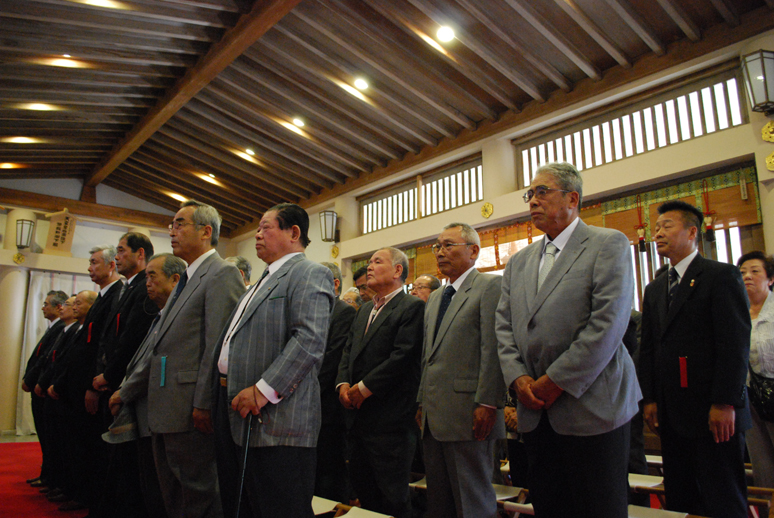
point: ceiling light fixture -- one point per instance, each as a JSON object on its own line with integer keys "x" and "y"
{"x": 445, "y": 34}
{"x": 361, "y": 84}
{"x": 107, "y": 4}
{"x": 21, "y": 140}
{"x": 298, "y": 122}
{"x": 8, "y": 165}
{"x": 211, "y": 175}
{"x": 178, "y": 197}
{"x": 250, "y": 152}
{"x": 294, "y": 129}
{"x": 41, "y": 107}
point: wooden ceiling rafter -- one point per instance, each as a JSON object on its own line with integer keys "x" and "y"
{"x": 573, "y": 10}
{"x": 633, "y": 19}
{"x": 547, "y": 30}
{"x": 681, "y": 18}
{"x": 248, "y": 30}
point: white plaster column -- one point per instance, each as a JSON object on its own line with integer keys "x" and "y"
{"x": 499, "y": 165}
{"x": 14, "y": 283}
{"x": 9, "y": 241}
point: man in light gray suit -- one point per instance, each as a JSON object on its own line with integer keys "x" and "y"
{"x": 269, "y": 357}
{"x": 179, "y": 386}
{"x": 461, "y": 393}
{"x": 564, "y": 309}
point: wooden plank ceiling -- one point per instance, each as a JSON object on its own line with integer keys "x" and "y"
{"x": 198, "y": 98}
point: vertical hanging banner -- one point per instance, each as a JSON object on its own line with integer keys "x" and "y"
{"x": 60, "y": 234}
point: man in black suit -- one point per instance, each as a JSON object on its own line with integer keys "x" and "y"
{"x": 693, "y": 367}
{"x": 378, "y": 381}
{"x": 332, "y": 479}
{"x": 125, "y": 330}
{"x": 51, "y": 307}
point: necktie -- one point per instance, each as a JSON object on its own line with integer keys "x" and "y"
{"x": 263, "y": 276}
{"x": 180, "y": 286}
{"x": 448, "y": 293}
{"x": 548, "y": 263}
{"x": 123, "y": 290}
{"x": 674, "y": 282}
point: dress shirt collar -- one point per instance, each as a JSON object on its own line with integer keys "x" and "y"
{"x": 52, "y": 322}
{"x": 683, "y": 265}
{"x": 561, "y": 240}
{"x": 191, "y": 270}
{"x": 130, "y": 279}
{"x": 276, "y": 265}
{"x": 68, "y": 326}
{"x": 767, "y": 311}
{"x": 383, "y": 301}
{"x": 104, "y": 290}
{"x": 458, "y": 283}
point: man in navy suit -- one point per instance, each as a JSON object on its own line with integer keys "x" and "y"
{"x": 693, "y": 368}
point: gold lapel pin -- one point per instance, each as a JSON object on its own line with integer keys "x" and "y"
{"x": 692, "y": 281}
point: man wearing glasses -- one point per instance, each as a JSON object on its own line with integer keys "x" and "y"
{"x": 361, "y": 283}
{"x": 179, "y": 387}
{"x": 564, "y": 310}
{"x": 424, "y": 286}
{"x": 462, "y": 393}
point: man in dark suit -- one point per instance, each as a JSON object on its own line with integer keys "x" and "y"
{"x": 377, "y": 381}
{"x": 462, "y": 391}
{"x": 332, "y": 479}
{"x": 269, "y": 355}
{"x": 126, "y": 327}
{"x": 52, "y": 305}
{"x": 693, "y": 368}
{"x": 360, "y": 278}
{"x": 560, "y": 322}
{"x": 181, "y": 365}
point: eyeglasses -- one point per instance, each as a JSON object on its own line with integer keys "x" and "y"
{"x": 540, "y": 192}
{"x": 447, "y": 247}
{"x": 418, "y": 287}
{"x": 175, "y": 225}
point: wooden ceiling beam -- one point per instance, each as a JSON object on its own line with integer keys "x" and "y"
{"x": 640, "y": 27}
{"x": 269, "y": 124}
{"x": 512, "y": 40}
{"x": 482, "y": 50}
{"x": 55, "y": 204}
{"x": 156, "y": 198}
{"x": 292, "y": 95}
{"x": 727, "y": 11}
{"x": 243, "y": 123}
{"x": 177, "y": 159}
{"x": 681, "y": 18}
{"x": 311, "y": 85}
{"x": 218, "y": 159}
{"x": 399, "y": 78}
{"x": 472, "y": 71}
{"x": 244, "y": 195}
{"x": 573, "y": 10}
{"x": 554, "y": 35}
{"x": 246, "y": 32}
{"x": 314, "y": 68}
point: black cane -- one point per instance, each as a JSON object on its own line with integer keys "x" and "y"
{"x": 246, "y": 440}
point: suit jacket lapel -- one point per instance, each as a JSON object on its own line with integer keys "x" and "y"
{"x": 191, "y": 286}
{"x": 531, "y": 270}
{"x": 266, "y": 290}
{"x": 567, "y": 257}
{"x": 684, "y": 289}
{"x": 456, "y": 304}
{"x": 380, "y": 318}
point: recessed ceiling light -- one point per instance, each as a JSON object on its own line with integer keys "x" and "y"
{"x": 21, "y": 140}
{"x": 68, "y": 56}
{"x": 445, "y": 34}
{"x": 291, "y": 127}
{"x": 43, "y": 107}
{"x": 108, "y": 4}
{"x": 361, "y": 84}
{"x": 178, "y": 197}
{"x": 298, "y": 122}
{"x": 250, "y": 152}
{"x": 8, "y": 165}
{"x": 211, "y": 175}
{"x": 210, "y": 178}
{"x": 61, "y": 62}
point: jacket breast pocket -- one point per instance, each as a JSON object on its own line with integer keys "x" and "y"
{"x": 465, "y": 385}
{"x": 187, "y": 376}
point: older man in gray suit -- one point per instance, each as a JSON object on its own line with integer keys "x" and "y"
{"x": 563, "y": 312}
{"x": 462, "y": 392}
{"x": 179, "y": 386}
{"x": 270, "y": 354}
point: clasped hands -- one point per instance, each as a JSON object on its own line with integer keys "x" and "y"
{"x": 536, "y": 395}
{"x": 351, "y": 397}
